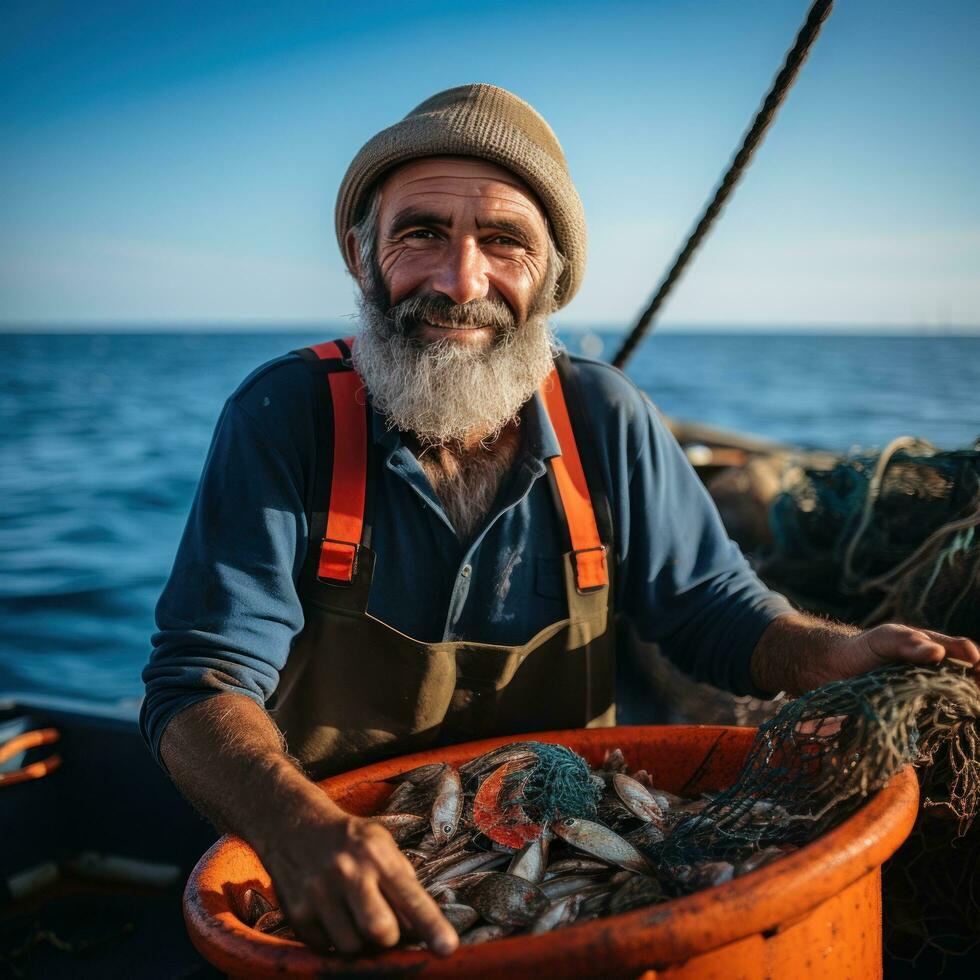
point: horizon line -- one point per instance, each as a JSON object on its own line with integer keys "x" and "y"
{"x": 231, "y": 325}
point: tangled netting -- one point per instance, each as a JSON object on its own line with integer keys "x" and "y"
{"x": 557, "y": 783}
{"x": 895, "y": 536}
{"x": 815, "y": 762}
{"x": 822, "y": 754}
{"x": 889, "y": 536}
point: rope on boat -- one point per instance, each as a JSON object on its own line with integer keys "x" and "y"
{"x": 819, "y": 12}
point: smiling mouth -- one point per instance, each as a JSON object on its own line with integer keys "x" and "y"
{"x": 453, "y": 326}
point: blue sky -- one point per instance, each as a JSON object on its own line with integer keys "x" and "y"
{"x": 177, "y": 162}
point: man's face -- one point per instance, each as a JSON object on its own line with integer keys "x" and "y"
{"x": 460, "y": 230}
{"x": 455, "y": 300}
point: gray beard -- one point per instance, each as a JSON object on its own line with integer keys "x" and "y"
{"x": 446, "y": 392}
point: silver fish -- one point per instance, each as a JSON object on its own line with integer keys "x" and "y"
{"x": 557, "y": 914}
{"x": 698, "y": 876}
{"x": 447, "y": 807}
{"x": 400, "y": 795}
{"x": 643, "y": 778}
{"x": 270, "y": 921}
{"x": 458, "y": 884}
{"x": 637, "y": 799}
{"x": 461, "y": 917}
{"x": 463, "y": 864}
{"x": 687, "y": 808}
{"x": 646, "y": 835}
{"x": 758, "y": 860}
{"x": 638, "y": 891}
{"x": 421, "y": 775}
{"x": 442, "y": 894}
{"x": 596, "y": 900}
{"x": 763, "y": 811}
{"x": 401, "y": 826}
{"x": 665, "y": 799}
{"x": 497, "y": 757}
{"x": 613, "y": 812}
{"x": 613, "y": 761}
{"x": 578, "y": 865}
{"x": 529, "y": 862}
{"x": 567, "y": 885}
{"x": 482, "y": 934}
{"x": 600, "y": 842}
{"x": 427, "y": 845}
{"x": 506, "y": 900}
{"x": 448, "y": 849}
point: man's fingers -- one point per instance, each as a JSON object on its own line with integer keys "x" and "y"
{"x": 893, "y": 642}
{"x": 959, "y": 647}
{"x": 405, "y": 893}
{"x": 309, "y": 928}
{"x": 372, "y": 914}
{"x": 922, "y": 649}
{"x": 339, "y": 925}
{"x": 919, "y": 646}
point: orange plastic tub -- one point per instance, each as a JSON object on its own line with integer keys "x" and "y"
{"x": 815, "y": 913}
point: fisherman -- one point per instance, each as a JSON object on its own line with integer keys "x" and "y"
{"x": 424, "y": 540}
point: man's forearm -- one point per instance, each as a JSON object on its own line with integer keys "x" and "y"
{"x": 798, "y": 652}
{"x": 227, "y": 757}
{"x": 341, "y": 879}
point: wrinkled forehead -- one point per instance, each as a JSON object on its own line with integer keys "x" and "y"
{"x": 455, "y": 182}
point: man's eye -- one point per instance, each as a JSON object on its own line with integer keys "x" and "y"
{"x": 422, "y": 233}
{"x": 507, "y": 240}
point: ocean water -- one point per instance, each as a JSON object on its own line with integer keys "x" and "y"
{"x": 102, "y": 438}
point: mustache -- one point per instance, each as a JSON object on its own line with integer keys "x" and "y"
{"x": 406, "y": 316}
{"x": 414, "y": 311}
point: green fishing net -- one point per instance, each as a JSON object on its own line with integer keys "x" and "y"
{"x": 819, "y": 758}
{"x": 556, "y": 783}
{"x": 886, "y": 536}
{"x": 894, "y": 536}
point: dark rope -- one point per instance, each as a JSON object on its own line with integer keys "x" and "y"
{"x": 763, "y": 120}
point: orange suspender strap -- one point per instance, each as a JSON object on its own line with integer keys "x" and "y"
{"x": 588, "y": 551}
{"x": 345, "y": 518}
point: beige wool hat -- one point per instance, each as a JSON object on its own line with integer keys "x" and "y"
{"x": 478, "y": 121}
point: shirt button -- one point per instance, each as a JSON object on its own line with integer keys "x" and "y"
{"x": 465, "y": 573}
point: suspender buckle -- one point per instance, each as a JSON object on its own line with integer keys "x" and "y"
{"x": 591, "y": 573}
{"x": 338, "y": 562}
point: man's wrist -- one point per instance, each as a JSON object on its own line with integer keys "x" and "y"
{"x": 798, "y": 652}
{"x": 285, "y": 795}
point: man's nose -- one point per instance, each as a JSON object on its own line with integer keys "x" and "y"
{"x": 462, "y": 273}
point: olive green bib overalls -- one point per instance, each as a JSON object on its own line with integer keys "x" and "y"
{"x": 355, "y": 690}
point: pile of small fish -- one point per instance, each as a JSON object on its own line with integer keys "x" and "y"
{"x": 497, "y": 867}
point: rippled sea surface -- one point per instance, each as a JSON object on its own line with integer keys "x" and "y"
{"x": 102, "y": 438}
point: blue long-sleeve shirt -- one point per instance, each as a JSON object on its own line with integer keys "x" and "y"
{"x": 230, "y": 610}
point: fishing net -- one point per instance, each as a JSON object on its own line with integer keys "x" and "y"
{"x": 558, "y": 782}
{"x": 817, "y": 760}
{"x": 889, "y": 536}
{"x": 894, "y": 536}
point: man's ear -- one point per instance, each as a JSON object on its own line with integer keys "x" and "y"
{"x": 353, "y": 253}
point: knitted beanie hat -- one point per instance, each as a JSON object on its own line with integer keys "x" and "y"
{"x": 478, "y": 121}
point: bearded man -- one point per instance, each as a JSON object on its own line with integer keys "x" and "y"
{"x": 426, "y": 541}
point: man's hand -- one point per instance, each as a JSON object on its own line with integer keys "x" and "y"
{"x": 340, "y": 879}
{"x": 343, "y": 882}
{"x": 885, "y": 644}
{"x": 798, "y": 652}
